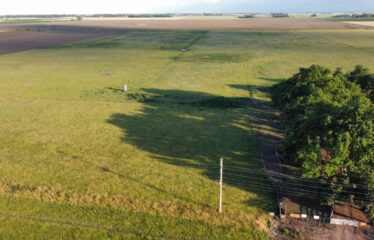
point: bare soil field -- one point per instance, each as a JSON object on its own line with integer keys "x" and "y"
{"x": 14, "y": 41}
{"x": 363, "y": 23}
{"x": 216, "y": 23}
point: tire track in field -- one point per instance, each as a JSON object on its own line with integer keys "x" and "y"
{"x": 333, "y": 41}
{"x": 178, "y": 57}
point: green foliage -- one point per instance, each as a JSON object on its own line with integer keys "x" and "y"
{"x": 329, "y": 127}
{"x": 362, "y": 77}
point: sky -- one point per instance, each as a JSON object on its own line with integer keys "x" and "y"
{"x": 181, "y": 6}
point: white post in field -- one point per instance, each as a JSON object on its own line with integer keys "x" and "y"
{"x": 125, "y": 88}
{"x": 220, "y": 184}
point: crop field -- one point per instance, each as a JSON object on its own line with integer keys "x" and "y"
{"x": 81, "y": 159}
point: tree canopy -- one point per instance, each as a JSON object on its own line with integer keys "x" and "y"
{"x": 329, "y": 127}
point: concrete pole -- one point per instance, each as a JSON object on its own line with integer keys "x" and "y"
{"x": 220, "y": 185}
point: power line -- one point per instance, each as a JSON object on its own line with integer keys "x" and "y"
{"x": 289, "y": 183}
{"x": 241, "y": 169}
{"x": 285, "y": 175}
{"x": 280, "y": 178}
{"x": 285, "y": 184}
{"x": 310, "y": 195}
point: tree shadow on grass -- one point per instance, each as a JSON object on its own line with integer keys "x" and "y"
{"x": 272, "y": 80}
{"x": 193, "y": 130}
{"x": 248, "y": 87}
{"x": 265, "y": 119}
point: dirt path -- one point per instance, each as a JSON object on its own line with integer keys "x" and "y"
{"x": 266, "y": 126}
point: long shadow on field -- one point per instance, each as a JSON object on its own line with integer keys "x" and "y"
{"x": 193, "y": 130}
{"x": 298, "y": 195}
{"x": 266, "y": 127}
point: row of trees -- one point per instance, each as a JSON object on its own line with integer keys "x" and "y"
{"x": 328, "y": 117}
{"x": 280, "y": 15}
{"x": 359, "y": 16}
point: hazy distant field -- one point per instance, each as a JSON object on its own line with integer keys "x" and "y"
{"x": 210, "y": 23}
{"x": 363, "y": 23}
{"x": 80, "y": 159}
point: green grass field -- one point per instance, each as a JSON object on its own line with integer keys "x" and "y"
{"x": 79, "y": 159}
{"x": 24, "y": 21}
{"x": 352, "y": 19}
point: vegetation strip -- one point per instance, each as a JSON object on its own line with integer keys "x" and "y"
{"x": 56, "y": 195}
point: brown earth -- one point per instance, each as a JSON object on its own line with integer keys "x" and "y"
{"x": 363, "y": 23}
{"x": 302, "y": 230}
{"x": 14, "y": 41}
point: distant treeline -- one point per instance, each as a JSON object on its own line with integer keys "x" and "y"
{"x": 92, "y": 15}
{"x": 38, "y": 16}
{"x": 248, "y": 16}
{"x": 149, "y": 15}
{"x": 280, "y": 15}
{"x": 364, "y": 15}
{"x": 214, "y": 14}
{"x": 274, "y": 15}
{"x": 161, "y": 15}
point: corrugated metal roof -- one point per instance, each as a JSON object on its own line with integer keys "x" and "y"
{"x": 351, "y": 212}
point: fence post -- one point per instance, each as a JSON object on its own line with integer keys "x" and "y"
{"x": 220, "y": 184}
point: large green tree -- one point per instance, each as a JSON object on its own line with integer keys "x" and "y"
{"x": 329, "y": 128}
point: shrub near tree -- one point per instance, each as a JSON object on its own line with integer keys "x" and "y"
{"x": 329, "y": 129}
{"x": 361, "y": 76}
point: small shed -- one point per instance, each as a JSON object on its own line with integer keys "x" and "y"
{"x": 350, "y": 212}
